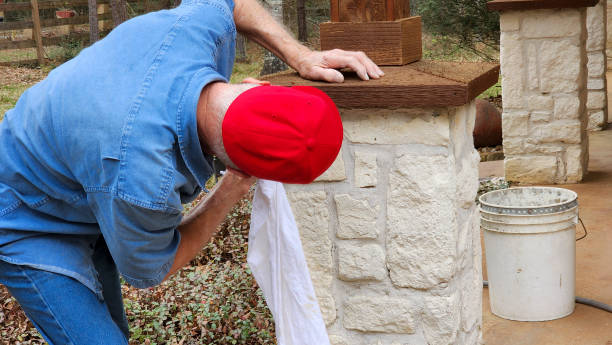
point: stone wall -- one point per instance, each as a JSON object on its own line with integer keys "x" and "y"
{"x": 609, "y": 33}
{"x": 543, "y": 67}
{"x": 597, "y": 99}
{"x": 391, "y": 230}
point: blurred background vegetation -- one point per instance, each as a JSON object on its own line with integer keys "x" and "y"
{"x": 215, "y": 300}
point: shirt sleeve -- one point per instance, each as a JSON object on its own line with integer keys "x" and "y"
{"x": 143, "y": 242}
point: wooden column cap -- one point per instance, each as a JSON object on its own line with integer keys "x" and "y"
{"x": 504, "y": 5}
{"x": 420, "y": 84}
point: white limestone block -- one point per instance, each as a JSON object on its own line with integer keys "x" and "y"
{"x": 421, "y": 223}
{"x": 533, "y": 78}
{"x": 396, "y": 126}
{"x": 567, "y": 107}
{"x": 380, "y": 314}
{"x": 513, "y": 146}
{"x": 515, "y": 124}
{"x": 597, "y": 121}
{"x": 551, "y": 23}
{"x": 596, "y": 100}
{"x": 531, "y": 169}
{"x": 540, "y": 103}
{"x": 595, "y": 84}
{"x": 357, "y": 219}
{"x": 575, "y": 166}
{"x": 335, "y": 172}
{"x": 467, "y": 178}
{"x": 596, "y": 64}
{"x": 540, "y": 116}
{"x": 596, "y": 28}
{"x": 462, "y": 129}
{"x": 533, "y": 146}
{"x": 560, "y": 66}
{"x": 365, "y": 169}
{"x": 441, "y": 319}
{"x": 471, "y": 300}
{"x": 512, "y": 64}
{"x": 337, "y": 340}
{"x": 327, "y": 304}
{"x": 565, "y": 131}
{"x": 361, "y": 262}
{"x": 312, "y": 217}
{"x": 509, "y": 21}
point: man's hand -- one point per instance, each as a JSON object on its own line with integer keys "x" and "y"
{"x": 234, "y": 184}
{"x": 318, "y": 65}
{"x": 200, "y": 225}
{"x": 257, "y": 24}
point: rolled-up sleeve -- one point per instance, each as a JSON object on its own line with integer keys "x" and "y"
{"x": 142, "y": 241}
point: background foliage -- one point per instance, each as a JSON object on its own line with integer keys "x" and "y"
{"x": 467, "y": 23}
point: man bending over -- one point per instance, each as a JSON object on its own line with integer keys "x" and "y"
{"x": 97, "y": 159}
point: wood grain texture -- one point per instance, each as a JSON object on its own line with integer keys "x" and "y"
{"x": 401, "y": 9}
{"x": 504, "y": 5}
{"x": 37, "y": 32}
{"x": 386, "y": 43}
{"x": 404, "y": 86}
{"x": 46, "y": 41}
{"x": 51, "y": 22}
{"x": 20, "y": 62}
{"x": 359, "y": 11}
{"x": 334, "y": 10}
{"x": 44, "y": 4}
{"x": 362, "y": 11}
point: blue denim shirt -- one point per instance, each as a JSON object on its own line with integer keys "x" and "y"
{"x": 108, "y": 144}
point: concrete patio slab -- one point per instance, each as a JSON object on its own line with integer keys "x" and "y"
{"x": 587, "y": 325}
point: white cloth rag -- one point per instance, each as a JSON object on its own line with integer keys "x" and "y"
{"x": 279, "y": 267}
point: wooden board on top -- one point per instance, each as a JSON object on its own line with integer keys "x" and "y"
{"x": 477, "y": 76}
{"x": 386, "y": 43}
{"x": 515, "y": 5}
{"x": 404, "y": 86}
{"x": 359, "y": 11}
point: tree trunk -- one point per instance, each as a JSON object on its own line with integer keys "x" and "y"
{"x": 301, "y": 21}
{"x": 272, "y": 63}
{"x": 92, "y": 6}
{"x": 241, "y": 48}
{"x": 118, "y": 11}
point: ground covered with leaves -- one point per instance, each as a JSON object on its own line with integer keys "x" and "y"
{"x": 214, "y": 300}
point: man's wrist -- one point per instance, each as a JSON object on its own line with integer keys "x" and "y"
{"x": 296, "y": 57}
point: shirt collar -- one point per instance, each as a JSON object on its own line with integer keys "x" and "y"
{"x": 198, "y": 163}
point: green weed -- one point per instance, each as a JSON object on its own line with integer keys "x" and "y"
{"x": 9, "y": 94}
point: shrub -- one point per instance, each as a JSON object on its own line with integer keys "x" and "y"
{"x": 214, "y": 300}
{"x": 467, "y": 22}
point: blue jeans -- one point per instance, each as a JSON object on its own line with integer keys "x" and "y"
{"x": 65, "y": 311}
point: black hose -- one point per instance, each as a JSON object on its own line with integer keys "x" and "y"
{"x": 594, "y": 304}
{"x": 581, "y": 300}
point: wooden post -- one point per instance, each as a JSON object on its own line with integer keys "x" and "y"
{"x": 301, "y": 20}
{"x": 241, "y": 48}
{"x": 118, "y": 11}
{"x": 37, "y": 32}
{"x": 92, "y": 7}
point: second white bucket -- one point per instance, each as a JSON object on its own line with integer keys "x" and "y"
{"x": 530, "y": 244}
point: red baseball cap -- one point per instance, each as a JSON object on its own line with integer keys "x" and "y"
{"x": 285, "y": 134}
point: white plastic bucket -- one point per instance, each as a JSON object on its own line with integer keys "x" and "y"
{"x": 530, "y": 248}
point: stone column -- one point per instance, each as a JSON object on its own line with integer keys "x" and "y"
{"x": 544, "y": 73}
{"x": 391, "y": 230}
{"x": 609, "y": 33}
{"x": 597, "y": 99}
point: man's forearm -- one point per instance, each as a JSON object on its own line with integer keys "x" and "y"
{"x": 201, "y": 224}
{"x": 257, "y": 24}
{"x": 254, "y": 21}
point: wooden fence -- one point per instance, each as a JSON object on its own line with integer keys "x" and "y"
{"x": 29, "y": 19}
